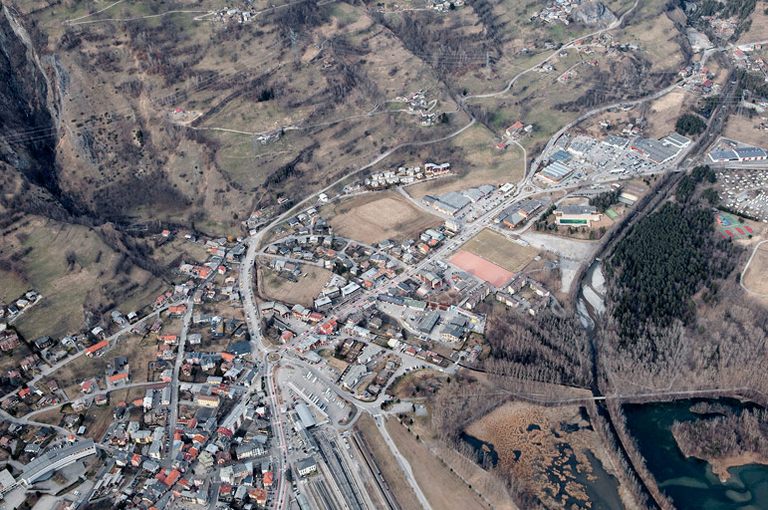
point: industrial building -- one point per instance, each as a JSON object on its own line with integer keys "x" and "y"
{"x": 743, "y": 153}
{"x": 654, "y": 150}
{"x": 555, "y": 172}
{"x": 428, "y": 323}
{"x": 452, "y": 202}
{"x": 518, "y": 213}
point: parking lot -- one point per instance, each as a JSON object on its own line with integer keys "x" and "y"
{"x": 302, "y": 385}
{"x": 596, "y": 160}
{"x": 745, "y": 192}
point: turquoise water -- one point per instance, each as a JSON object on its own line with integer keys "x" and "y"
{"x": 689, "y": 482}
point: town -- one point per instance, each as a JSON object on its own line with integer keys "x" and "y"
{"x": 291, "y": 363}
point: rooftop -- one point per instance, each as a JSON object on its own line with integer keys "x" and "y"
{"x": 576, "y": 209}
{"x": 556, "y": 171}
{"x": 54, "y": 458}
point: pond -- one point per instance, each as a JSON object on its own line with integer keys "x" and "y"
{"x": 690, "y": 482}
{"x": 483, "y": 450}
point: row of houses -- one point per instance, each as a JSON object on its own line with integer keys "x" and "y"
{"x": 524, "y": 294}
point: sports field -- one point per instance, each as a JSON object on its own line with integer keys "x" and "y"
{"x": 729, "y": 226}
{"x": 496, "y": 248}
{"x": 373, "y": 217}
{"x": 483, "y": 269}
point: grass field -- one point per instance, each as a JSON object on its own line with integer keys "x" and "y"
{"x": 138, "y": 351}
{"x": 442, "y": 488}
{"x": 43, "y": 248}
{"x": 390, "y": 469}
{"x": 417, "y": 384}
{"x": 188, "y": 251}
{"x": 480, "y": 163}
{"x": 746, "y": 130}
{"x": 500, "y": 250}
{"x": 373, "y": 217}
{"x": 758, "y": 31}
{"x": 652, "y": 30}
{"x": 663, "y": 113}
{"x": 97, "y": 419}
{"x": 302, "y": 292}
{"x": 754, "y": 277}
{"x": 487, "y": 483}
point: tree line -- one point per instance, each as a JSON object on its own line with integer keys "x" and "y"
{"x": 606, "y": 199}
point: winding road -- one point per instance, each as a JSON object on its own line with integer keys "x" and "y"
{"x": 746, "y": 267}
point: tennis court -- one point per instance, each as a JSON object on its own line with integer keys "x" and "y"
{"x": 730, "y": 227}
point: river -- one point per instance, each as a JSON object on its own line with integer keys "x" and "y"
{"x": 690, "y": 481}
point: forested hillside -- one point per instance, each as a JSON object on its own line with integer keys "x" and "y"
{"x": 656, "y": 270}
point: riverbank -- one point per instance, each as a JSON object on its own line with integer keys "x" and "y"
{"x": 721, "y": 466}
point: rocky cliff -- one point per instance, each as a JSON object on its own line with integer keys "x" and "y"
{"x": 28, "y": 131}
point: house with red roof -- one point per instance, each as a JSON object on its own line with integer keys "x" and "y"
{"x": 86, "y": 386}
{"x": 177, "y": 310}
{"x": 120, "y": 378}
{"x": 90, "y": 351}
{"x": 258, "y": 495}
{"x": 327, "y": 328}
{"x": 168, "y": 339}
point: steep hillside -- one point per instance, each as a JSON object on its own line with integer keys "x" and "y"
{"x": 27, "y": 129}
